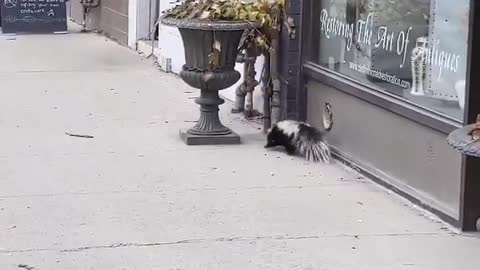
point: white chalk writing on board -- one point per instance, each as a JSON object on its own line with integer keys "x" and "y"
{"x": 10, "y": 3}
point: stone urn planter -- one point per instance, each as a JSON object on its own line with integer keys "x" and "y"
{"x": 200, "y": 38}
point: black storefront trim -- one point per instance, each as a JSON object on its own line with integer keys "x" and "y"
{"x": 383, "y": 100}
{"x": 379, "y": 178}
{"x": 470, "y": 189}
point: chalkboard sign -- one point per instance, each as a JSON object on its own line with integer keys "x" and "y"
{"x": 33, "y": 16}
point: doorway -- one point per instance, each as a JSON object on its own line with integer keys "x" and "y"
{"x": 143, "y": 32}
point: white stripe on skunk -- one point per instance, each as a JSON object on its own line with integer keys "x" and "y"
{"x": 299, "y": 136}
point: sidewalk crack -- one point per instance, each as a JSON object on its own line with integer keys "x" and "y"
{"x": 226, "y": 239}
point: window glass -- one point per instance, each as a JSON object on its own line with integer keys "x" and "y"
{"x": 413, "y": 49}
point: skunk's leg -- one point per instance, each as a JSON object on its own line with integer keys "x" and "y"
{"x": 290, "y": 149}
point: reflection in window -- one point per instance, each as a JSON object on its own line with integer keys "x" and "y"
{"x": 414, "y": 49}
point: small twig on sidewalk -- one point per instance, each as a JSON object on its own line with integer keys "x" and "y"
{"x": 24, "y": 266}
{"x": 79, "y": 136}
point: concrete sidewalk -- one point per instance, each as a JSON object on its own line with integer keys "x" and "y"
{"x": 136, "y": 197}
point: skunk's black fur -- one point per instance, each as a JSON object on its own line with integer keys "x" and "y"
{"x": 299, "y": 137}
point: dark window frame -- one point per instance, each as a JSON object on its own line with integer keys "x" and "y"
{"x": 470, "y": 187}
{"x": 385, "y": 100}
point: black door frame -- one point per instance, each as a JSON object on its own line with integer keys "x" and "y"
{"x": 470, "y": 192}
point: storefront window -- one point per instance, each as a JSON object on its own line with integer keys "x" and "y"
{"x": 413, "y": 49}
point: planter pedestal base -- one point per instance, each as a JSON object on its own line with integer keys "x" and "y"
{"x": 191, "y": 139}
{"x": 203, "y": 39}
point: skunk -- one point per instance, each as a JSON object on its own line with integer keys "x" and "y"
{"x": 299, "y": 137}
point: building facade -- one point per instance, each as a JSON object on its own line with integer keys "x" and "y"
{"x": 396, "y": 76}
{"x": 110, "y": 17}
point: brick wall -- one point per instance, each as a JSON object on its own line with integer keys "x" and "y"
{"x": 111, "y": 17}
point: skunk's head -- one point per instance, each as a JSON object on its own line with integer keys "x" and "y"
{"x": 273, "y": 137}
{"x": 278, "y": 136}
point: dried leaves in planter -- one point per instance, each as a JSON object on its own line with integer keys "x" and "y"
{"x": 265, "y": 13}
{"x": 214, "y": 56}
{"x": 475, "y": 133}
{"x": 228, "y": 10}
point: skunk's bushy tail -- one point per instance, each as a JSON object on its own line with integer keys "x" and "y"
{"x": 311, "y": 143}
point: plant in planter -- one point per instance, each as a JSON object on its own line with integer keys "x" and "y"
{"x": 211, "y": 31}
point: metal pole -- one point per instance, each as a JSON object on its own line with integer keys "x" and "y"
{"x": 250, "y": 81}
{"x": 267, "y": 93}
{"x": 276, "y": 104}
